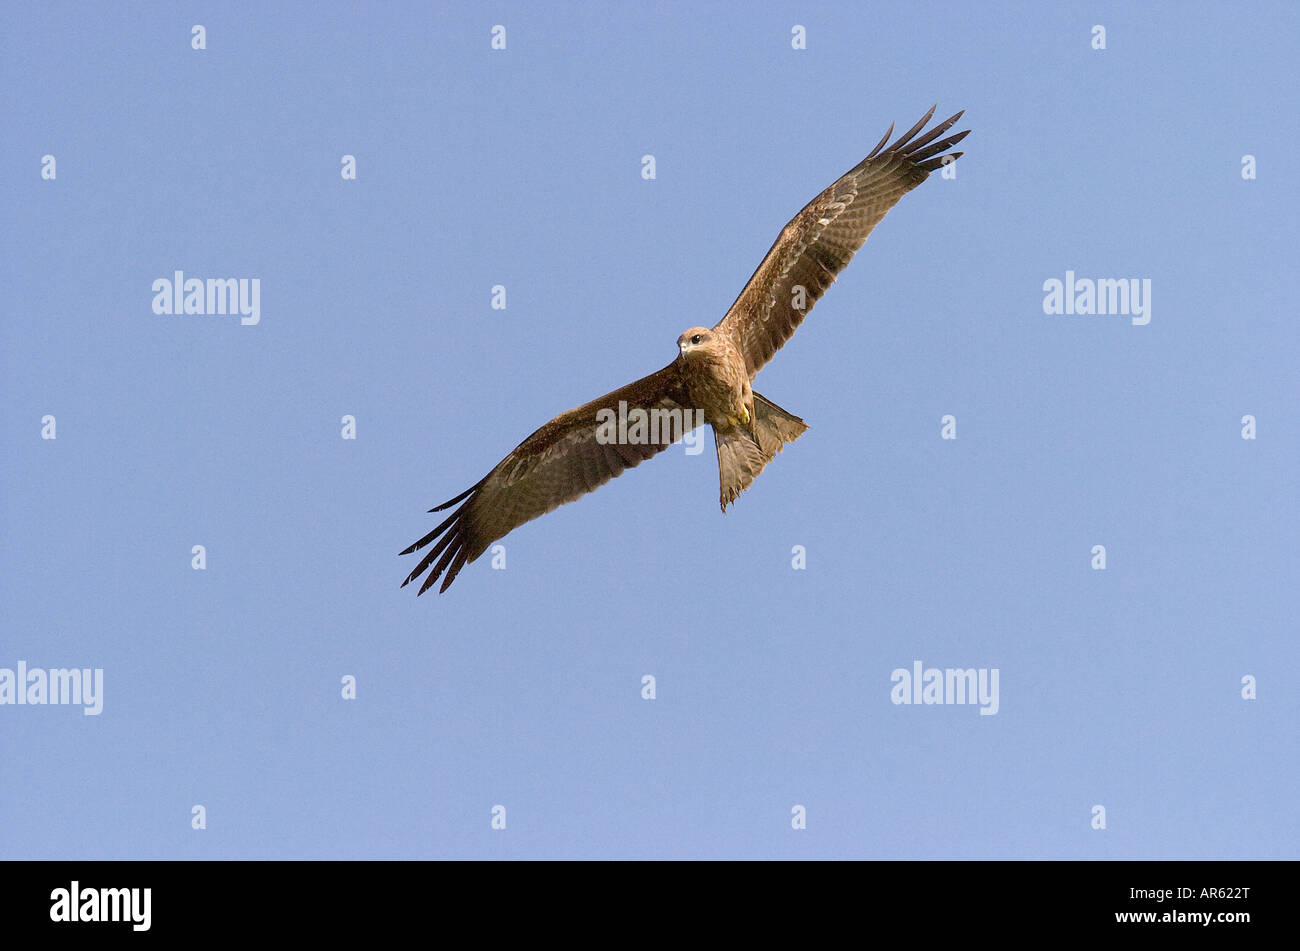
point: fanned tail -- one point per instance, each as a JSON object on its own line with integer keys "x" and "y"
{"x": 743, "y": 453}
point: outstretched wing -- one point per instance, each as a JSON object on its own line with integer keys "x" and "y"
{"x": 820, "y": 241}
{"x": 565, "y": 459}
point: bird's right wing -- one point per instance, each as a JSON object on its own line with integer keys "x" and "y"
{"x": 565, "y": 459}
{"x": 819, "y": 242}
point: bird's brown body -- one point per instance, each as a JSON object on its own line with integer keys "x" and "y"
{"x": 716, "y": 377}
{"x": 713, "y": 373}
{"x": 747, "y": 429}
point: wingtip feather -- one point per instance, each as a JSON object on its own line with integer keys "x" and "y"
{"x": 907, "y": 136}
{"x": 881, "y": 144}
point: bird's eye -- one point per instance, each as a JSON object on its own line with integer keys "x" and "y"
{"x": 695, "y": 339}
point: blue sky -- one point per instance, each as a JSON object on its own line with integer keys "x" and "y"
{"x": 521, "y": 687}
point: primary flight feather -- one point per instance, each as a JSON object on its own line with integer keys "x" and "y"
{"x": 708, "y": 381}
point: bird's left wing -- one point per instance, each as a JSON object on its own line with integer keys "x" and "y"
{"x": 567, "y": 458}
{"x": 819, "y": 242}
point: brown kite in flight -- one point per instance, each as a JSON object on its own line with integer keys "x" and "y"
{"x": 708, "y": 381}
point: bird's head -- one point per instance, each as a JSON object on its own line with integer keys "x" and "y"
{"x": 695, "y": 341}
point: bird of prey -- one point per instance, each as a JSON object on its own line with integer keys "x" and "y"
{"x": 709, "y": 381}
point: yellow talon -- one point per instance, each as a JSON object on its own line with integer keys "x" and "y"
{"x": 745, "y": 419}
